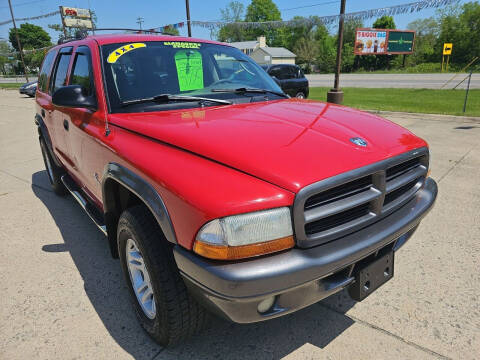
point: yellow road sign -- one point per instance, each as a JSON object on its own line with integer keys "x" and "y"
{"x": 447, "y": 48}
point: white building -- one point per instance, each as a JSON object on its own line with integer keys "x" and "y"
{"x": 263, "y": 54}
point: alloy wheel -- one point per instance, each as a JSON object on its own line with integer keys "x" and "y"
{"x": 140, "y": 279}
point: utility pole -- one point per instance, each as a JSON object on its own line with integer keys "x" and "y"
{"x": 189, "y": 25}
{"x": 18, "y": 40}
{"x": 139, "y": 22}
{"x": 335, "y": 95}
{"x": 63, "y": 23}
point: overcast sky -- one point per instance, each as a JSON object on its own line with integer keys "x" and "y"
{"x": 123, "y": 13}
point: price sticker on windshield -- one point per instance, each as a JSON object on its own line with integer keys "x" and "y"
{"x": 189, "y": 69}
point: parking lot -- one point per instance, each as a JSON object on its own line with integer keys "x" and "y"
{"x": 63, "y": 296}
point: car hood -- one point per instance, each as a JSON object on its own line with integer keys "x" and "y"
{"x": 290, "y": 143}
{"x": 28, "y": 84}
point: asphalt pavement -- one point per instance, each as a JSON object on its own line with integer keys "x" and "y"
{"x": 63, "y": 296}
{"x": 419, "y": 81}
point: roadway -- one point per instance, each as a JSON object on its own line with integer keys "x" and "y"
{"x": 425, "y": 81}
{"x": 419, "y": 81}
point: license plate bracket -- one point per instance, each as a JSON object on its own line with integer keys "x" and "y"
{"x": 370, "y": 276}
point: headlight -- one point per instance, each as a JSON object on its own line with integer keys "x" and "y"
{"x": 246, "y": 235}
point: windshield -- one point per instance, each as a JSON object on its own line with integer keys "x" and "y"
{"x": 146, "y": 69}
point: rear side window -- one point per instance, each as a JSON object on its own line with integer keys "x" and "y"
{"x": 282, "y": 72}
{"x": 45, "y": 71}
{"x": 82, "y": 71}
{"x": 61, "y": 72}
{"x": 292, "y": 72}
{"x": 276, "y": 71}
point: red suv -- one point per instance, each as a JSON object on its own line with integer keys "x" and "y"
{"x": 215, "y": 189}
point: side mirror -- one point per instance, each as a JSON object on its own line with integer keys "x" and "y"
{"x": 276, "y": 79}
{"x": 74, "y": 96}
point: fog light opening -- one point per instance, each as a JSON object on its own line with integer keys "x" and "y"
{"x": 367, "y": 285}
{"x": 266, "y": 305}
{"x": 387, "y": 271}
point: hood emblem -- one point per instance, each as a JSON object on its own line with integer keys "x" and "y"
{"x": 359, "y": 141}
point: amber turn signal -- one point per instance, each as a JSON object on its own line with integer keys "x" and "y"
{"x": 222, "y": 252}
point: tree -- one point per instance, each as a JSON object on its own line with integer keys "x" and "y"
{"x": 385, "y": 22}
{"x": 462, "y": 28}
{"x": 426, "y": 33}
{"x": 306, "y": 50}
{"x": 31, "y": 36}
{"x": 233, "y": 12}
{"x": 4, "y": 50}
{"x": 260, "y": 11}
{"x": 171, "y": 31}
{"x": 349, "y": 30}
{"x": 303, "y": 28}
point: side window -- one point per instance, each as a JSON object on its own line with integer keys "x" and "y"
{"x": 290, "y": 72}
{"x": 45, "y": 71}
{"x": 82, "y": 70}
{"x": 276, "y": 71}
{"x": 283, "y": 72}
{"x": 60, "y": 76}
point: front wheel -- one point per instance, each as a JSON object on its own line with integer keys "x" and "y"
{"x": 300, "y": 95}
{"x": 164, "y": 308}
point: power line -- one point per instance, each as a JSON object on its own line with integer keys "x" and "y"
{"x": 23, "y": 4}
{"x": 312, "y": 5}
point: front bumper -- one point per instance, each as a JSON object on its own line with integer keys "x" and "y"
{"x": 297, "y": 277}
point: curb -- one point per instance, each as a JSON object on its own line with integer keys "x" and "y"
{"x": 426, "y": 116}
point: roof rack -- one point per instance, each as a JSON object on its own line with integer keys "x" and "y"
{"x": 140, "y": 31}
{"x": 83, "y": 33}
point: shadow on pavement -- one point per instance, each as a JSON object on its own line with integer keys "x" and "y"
{"x": 105, "y": 288}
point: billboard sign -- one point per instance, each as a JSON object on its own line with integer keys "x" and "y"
{"x": 400, "y": 42}
{"x": 76, "y": 12}
{"x": 383, "y": 42}
{"x": 370, "y": 42}
{"x": 78, "y": 23}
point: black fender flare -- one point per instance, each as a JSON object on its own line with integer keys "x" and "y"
{"x": 43, "y": 133}
{"x": 143, "y": 190}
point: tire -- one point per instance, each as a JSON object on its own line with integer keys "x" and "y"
{"x": 300, "y": 95}
{"x": 171, "y": 315}
{"x": 54, "y": 172}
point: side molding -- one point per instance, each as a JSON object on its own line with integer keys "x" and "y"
{"x": 143, "y": 190}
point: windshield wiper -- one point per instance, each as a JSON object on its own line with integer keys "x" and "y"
{"x": 164, "y": 98}
{"x": 251, "y": 90}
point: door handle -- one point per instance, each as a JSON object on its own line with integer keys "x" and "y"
{"x": 65, "y": 124}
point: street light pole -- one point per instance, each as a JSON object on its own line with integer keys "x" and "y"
{"x": 18, "y": 40}
{"x": 335, "y": 95}
{"x": 189, "y": 25}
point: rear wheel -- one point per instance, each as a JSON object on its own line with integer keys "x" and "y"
{"x": 53, "y": 171}
{"x": 162, "y": 304}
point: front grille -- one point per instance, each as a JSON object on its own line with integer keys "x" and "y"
{"x": 339, "y": 219}
{"x": 337, "y": 206}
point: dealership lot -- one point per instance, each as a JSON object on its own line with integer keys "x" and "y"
{"x": 62, "y": 296}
